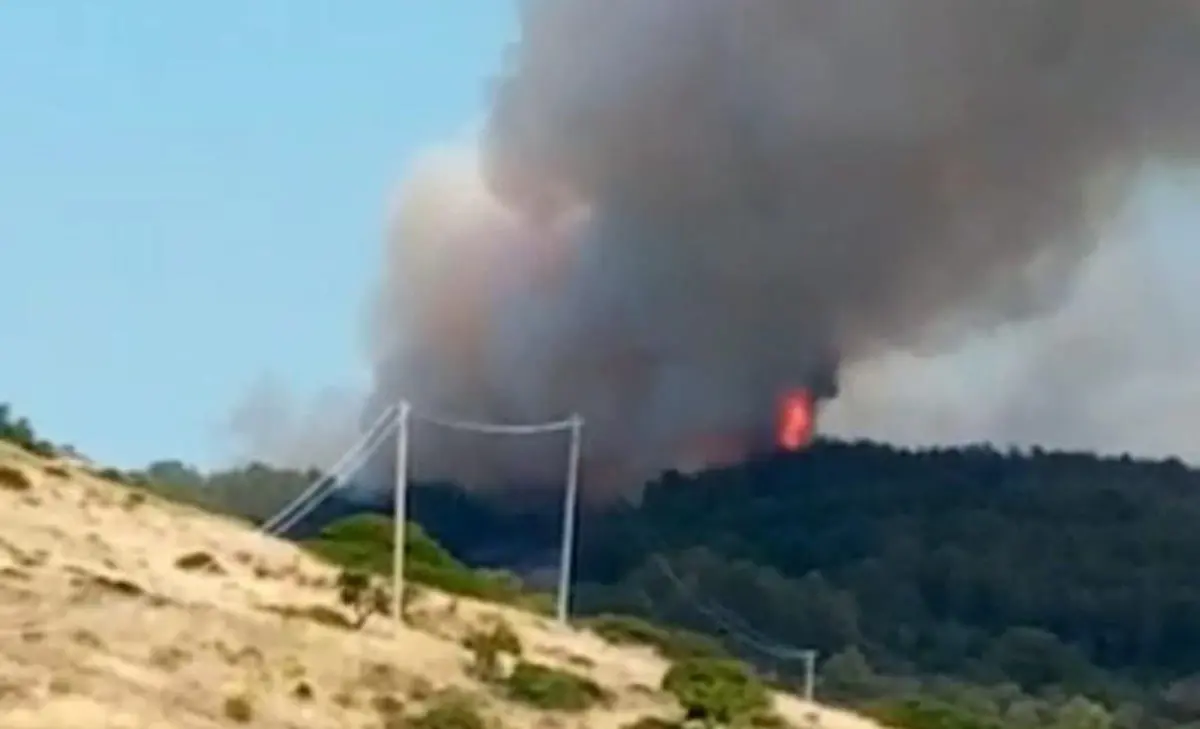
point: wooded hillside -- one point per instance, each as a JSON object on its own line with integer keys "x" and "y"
{"x": 991, "y": 578}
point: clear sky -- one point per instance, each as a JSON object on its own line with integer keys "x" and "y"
{"x": 192, "y": 195}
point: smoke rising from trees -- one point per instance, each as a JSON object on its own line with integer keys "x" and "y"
{"x": 680, "y": 208}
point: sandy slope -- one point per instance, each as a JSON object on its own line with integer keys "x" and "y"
{"x": 99, "y": 627}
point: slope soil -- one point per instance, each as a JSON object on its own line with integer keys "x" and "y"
{"x": 119, "y": 609}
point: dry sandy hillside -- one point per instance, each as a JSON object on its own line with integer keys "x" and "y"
{"x": 103, "y": 627}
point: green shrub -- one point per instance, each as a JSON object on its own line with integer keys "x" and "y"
{"x": 652, "y": 722}
{"x": 43, "y": 448}
{"x": 364, "y": 543}
{"x": 929, "y": 714}
{"x": 449, "y": 711}
{"x": 717, "y": 691}
{"x": 137, "y": 478}
{"x": 20, "y": 433}
{"x": 112, "y": 474}
{"x": 488, "y": 646}
{"x": 357, "y": 591}
{"x": 767, "y": 719}
{"x": 674, "y": 645}
{"x": 57, "y": 471}
{"x": 463, "y": 580}
{"x": 14, "y": 479}
{"x": 551, "y": 688}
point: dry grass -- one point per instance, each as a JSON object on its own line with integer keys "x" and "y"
{"x": 164, "y": 616}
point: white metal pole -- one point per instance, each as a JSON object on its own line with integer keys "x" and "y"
{"x": 810, "y": 671}
{"x": 398, "y": 512}
{"x": 568, "y": 527}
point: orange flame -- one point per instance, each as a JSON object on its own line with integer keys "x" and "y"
{"x": 796, "y": 420}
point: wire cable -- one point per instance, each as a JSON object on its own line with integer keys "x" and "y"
{"x": 350, "y": 456}
{"x": 746, "y": 635}
{"x": 495, "y": 428}
{"x": 335, "y": 479}
{"x": 729, "y": 622}
{"x": 332, "y": 483}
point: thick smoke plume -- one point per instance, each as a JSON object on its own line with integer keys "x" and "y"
{"x": 680, "y": 208}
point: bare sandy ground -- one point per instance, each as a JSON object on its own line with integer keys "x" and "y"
{"x": 100, "y": 627}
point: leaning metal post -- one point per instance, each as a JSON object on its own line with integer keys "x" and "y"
{"x": 398, "y": 515}
{"x": 568, "y": 527}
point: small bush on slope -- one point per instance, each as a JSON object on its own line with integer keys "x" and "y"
{"x": 358, "y": 592}
{"x": 14, "y": 479}
{"x": 20, "y": 432}
{"x": 717, "y": 691}
{"x": 552, "y": 689}
{"x": 450, "y": 711}
{"x": 674, "y": 645}
{"x": 364, "y": 543}
{"x": 536, "y": 685}
{"x": 487, "y": 647}
{"x": 929, "y": 714}
{"x": 652, "y": 722}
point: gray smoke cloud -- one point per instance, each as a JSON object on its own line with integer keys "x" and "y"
{"x": 274, "y": 424}
{"x": 680, "y": 208}
{"x": 1113, "y": 370}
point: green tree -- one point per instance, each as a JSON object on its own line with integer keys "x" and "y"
{"x": 848, "y": 674}
{"x": 930, "y": 714}
{"x": 1080, "y": 713}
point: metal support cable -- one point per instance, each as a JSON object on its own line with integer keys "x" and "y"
{"x": 352, "y": 457}
{"x": 496, "y": 428}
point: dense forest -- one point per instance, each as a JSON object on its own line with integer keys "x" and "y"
{"x": 1018, "y": 585}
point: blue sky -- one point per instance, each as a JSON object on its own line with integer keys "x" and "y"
{"x": 192, "y": 195}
